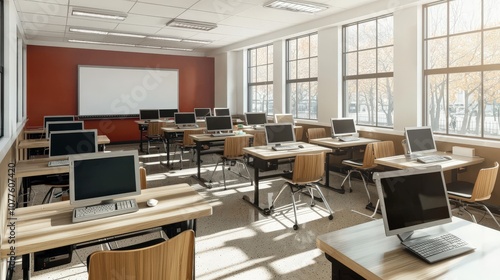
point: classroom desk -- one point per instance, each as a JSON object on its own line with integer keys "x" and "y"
{"x": 170, "y": 133}
{"x": 365, "y": 251}
{"x": 47, "y": 226}
{"x": 24, "y": 145}
{"x": 400, "y": 162}
{"x": 265, "y": 159}
{"x": 206, "y": 139}
{"x": 335, "y": 144}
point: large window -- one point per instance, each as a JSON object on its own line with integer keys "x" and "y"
{"x": 2, "y": 112}
{"x": 260, "y": 79}
{"x": 462, "y": 67}
{"x": 368, "y": 55}
{"x": 302, "y": 76}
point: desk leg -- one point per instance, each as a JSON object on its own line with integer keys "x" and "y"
{"x": 340, "y": 271}
{"x": 327, "y": 176}
{"x": 198, "y": 167}
{"x": 26, "y": 267}
{"x": 256, "y": 178}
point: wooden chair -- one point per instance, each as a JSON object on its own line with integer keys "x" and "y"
{"x": 313, "y": 133}
{"x": 142, "y": 174}
{"x": 155, "y": 135}
{"x": 466, "y": 193}
{"x": 307, "y": 171}
{"x": 233, "y": 152}
{"x": 187, "y": 143}
{"x": 299, "y": 130}
{"x": 171, "y": 259}
{"x": 259, "y": 137}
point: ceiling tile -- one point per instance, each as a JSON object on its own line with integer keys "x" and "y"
{"x": 251, "y": 23}
{"x": 77, "y": 22}
{"x": 222, "y": 7}
{"x": 110, "y": 5}
{"x": 156, "y": 10}
{"x": 203, "y": 16}
{"x": 173, "y": 3}
{"x": 41, "y": 8}
{"x": 36, "y": 18}
{"x": 138, "y": 29}
{"x": 146, "y": 20}
{"x": 43, "y": 27}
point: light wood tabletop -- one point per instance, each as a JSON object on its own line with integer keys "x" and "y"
{"x": 39, "y": 166}
{"x": 47, "y": 226}
{"x": 336, "y": 143}
{"x": 267, "y": 153}
{"x": 366, "y": 250}
{"x": 400, "y": 161}
{"x": 44, "y": 143}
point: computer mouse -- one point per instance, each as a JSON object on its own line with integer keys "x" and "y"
{"x": 447, "y": 157}
{"x": 301, "y": 146}
{"x": 152, "y": 202}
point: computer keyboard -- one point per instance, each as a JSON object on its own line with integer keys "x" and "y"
{"x": 431, "y": 159}
{"x": 348, "y": 138}
{"x": 98, "y": 211}
{"x": 436, "y": 248}
{"x": 286, "y": 147}
{"x": 222, "y": 134}
{"x": 187, "y": 126}
{"x": 61, "y": 162}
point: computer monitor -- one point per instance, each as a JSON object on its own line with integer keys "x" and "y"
{"x": 201, "y": 113}
{"x": 184, "y": 119}
{"x": 420, "y": 139}
{"x": 255, "y": 118}
{"x": 167, "y": 113}
{"x": 72, "y": 142}
{"x": 149, "y": 114}
{"x": 61, "y": 126}
{"x": 101, "y": 177}
{"x": 283, "y": 118}
{"x": 47, "y": 119}
{"x": 412, "y": 199}
{"x": 279, "y": 134}
{"x": 343, "y": 127}
{"x": 221, "y": 112}
{"x": 219, "y": 123}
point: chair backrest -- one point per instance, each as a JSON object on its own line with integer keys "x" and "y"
{"x": 299, "y": 130}
{"x": 142, "y": 174}
{"x": 259, "y": 137}
{"x": 233, "y": 146}
{"x": 171, "y": 259}
{"x": 485, "y": 183}
{"x": 377, "y": 150}
{"x": 308, "y": 168}
{"x": 188, "y": 141}
{"x": 154, "y": 128}
{"x": 313, "y": 133}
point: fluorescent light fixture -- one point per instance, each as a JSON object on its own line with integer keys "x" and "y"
{"x": 100, "y": 43}
{"x": 126, "y": 35}
{"x": 178, "y": 49}
{"x": 149, "y": 47}
{"x": 297, "y": 6}
{"x": 191, "y": 24}
{"x": 98, "y": 15}
{"x": 164, "y": 38}
{"x": 88, "y": 31}
{"x": 196, "y": 41}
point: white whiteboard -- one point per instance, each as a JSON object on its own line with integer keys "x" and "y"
{"x": 111, "y": 91}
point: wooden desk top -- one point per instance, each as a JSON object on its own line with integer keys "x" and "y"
{"x": 39, "y": 166}
{"x": 400, "y": 161}
{"x": 266, "y": 152}
{"x": 44, "y": 143}
{"x": 173, "y": 129}
{"x": 210, "y": 138}
{"x": 366, "y": 250}
{"x": 250, "y": 129}
{"x": 336, "y": 143}
{"x": 37, "y": 130}
{"x": 47, "y": 226}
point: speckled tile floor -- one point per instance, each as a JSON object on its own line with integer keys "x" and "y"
{"x": 237, "y": 242}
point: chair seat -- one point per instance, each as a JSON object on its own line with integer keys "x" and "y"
{"x": 356, "y": 162}
{"x": 460, "y": 188}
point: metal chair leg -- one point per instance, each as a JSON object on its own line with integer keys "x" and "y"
{"x": 296, "y": 225}
{"x": 324, "y": 200}
{"x": 491, "y": 214}
{"x": 278, "y": 195}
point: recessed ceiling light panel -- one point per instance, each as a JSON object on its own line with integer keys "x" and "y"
{"x": 296, "y": 6}
{"x": 191, "y": 24}
{"x": 101, "y": 15}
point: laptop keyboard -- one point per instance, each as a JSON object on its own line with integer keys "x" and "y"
{"x": 62, "y": 162}
{"x": 286, "y": 147}
{"x": 348, "y": 138}
{"x": 431, "y": 159}
{"x": 436, "y": 248}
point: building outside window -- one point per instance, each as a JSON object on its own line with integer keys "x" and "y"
{"x": 260, "y": 79}
{"x": 368, "y": 58}
{"x": 302, "y": 76}
{"x": 462, "y": 67}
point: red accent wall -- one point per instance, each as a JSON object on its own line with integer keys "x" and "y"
{"x": 52, "y": 83}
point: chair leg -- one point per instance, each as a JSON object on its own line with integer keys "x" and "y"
{"x": 347, "y": 177}
{"x": 181, "y": 157}
{"x": 213, "y": 172}
{"x": 316, "y": 187}
{"x": 276, "y": 198}
{"x": 296, "y": 225}
{"x": 224, "y": 172}
{"x": 491, "y": 214}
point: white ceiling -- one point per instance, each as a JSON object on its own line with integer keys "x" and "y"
{"x": 48, "y": 21}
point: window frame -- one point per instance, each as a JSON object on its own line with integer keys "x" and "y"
{"x": 268, "y": 82}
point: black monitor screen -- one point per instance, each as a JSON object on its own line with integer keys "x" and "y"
{"x": 221, "y": 112}
{"x": 202, "y": 112}
{"x": 185, "y": 118}
{"x": 102, "y": 176}
{"x": 343, "y": 127}
{"x": 72, "y": 142}
{"x": 219, "y": 123}
{"x": 47, "y": 119}
{"x": 60, "y": 126}
{"x": 168, "y": 113}
{"x": 152, "y": 114}
{"x": 279, "y": 134}
{"x": 412, "y": 199}
{"x": 255, "y": 118}
{"x": 420, "y": 139}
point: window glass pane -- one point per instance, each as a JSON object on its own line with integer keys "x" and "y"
{"x": 303, "y": 47}
{"x": 491, "y": 83}
{"x": 270, "y": 54}
{"x": 491, "y": 13}
{"x": 385, "y": 103}
{"x": 270, "y": 110}
{"x": 261, "y": 73}
{"x": 464, "y": 95}
{"x": 437, "y": 19}
{"x": 351, "y": 38}
{"x": 253, "y": 74}
{"x": 292, "y": 49}
{"x": 367, "y": 35}
{"x": 292, "y": 90}
{"x": 367, "y": 101}
{"x": 465, "y": 15}
{"x": 314, "y": 45}
{"x": 253, "y": 57}
{"x": 314, "y": 67}
{"x": 351, "y": 63}
{"x": 292, "y": 70}
{"x": 385, "y": 61}
{"x": 437, "y": 53}
{"x": 313, "y": 87}
{"x": 436, "y": 102}
{"x": 303, "y": 68}
{"x": 367, "y": 61}
{"x": 350, "y": 100}
{"x": 492, "y": 46}
{"x": 385, "y": 34}
{"x": 303, "y": 103}
{"x": 270, "y": 72}
{"x": 465, "y": 50}
{"x": 261, "y": 56}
